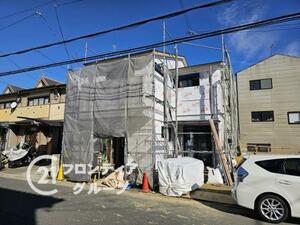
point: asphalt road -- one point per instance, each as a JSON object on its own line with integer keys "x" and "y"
{"x": 20, "y": 205}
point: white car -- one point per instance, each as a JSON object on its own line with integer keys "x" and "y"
{"x": 270, "y": 185}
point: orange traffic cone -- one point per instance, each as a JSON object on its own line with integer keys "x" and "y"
{"x": 145, "y": 183}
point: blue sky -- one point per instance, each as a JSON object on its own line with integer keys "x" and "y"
{"x": 87, "y": 16}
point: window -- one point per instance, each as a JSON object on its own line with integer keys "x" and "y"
{"x": 258, "y": 147}
{"x": 261, "y": 84}
{"x": 251, "y": 147}
{"x": 273, "y": 165}
{"x": 30, "y": 102}
{"x": 38, "y": 101}
{"x": 35, "y": 101}
{"x": 292, "y": 167}
{"x": 5, "y": 105}
{"x": 262, "y": 116}
{"x": 189, "y": 80}
{"x": 294, "y": 117}
{"x": 159, "y": 68}
{"x": 254, "y": 85}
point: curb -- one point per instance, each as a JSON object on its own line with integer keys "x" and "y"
{"x": 223, "y": 197}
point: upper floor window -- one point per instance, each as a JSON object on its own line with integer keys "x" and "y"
{"x": 262, "y": 116}
{"x": 261, "y": 84}
{"x": 5, "y": 105}
{"x": 294, "y": 117}
{"x": 38, "y": 101}
{"x": 189, "y": 80}
{"x": 159, "y": 68}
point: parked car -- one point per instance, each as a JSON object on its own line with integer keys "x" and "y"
{"x": 270, "y": 185}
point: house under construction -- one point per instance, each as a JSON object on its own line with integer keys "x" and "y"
{"x": 129, "y": 109}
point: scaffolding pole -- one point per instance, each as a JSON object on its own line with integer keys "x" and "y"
{"x": 176, "y": 101}
{"x": 153, "y": 114}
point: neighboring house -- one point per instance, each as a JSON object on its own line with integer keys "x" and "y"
{"x": 206, "y": 91}
{"x": 11, "y": 89}
{"x": 33, "y": 115}
{"x": 269, "y": 105}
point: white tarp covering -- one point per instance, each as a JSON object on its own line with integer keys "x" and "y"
{"x": 180, "y": 175}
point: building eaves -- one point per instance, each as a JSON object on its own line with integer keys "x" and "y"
{"x": 264, "y": 59}
{"x": 160, "y": 53}
{"x": 30, "y": 90}
{"x": 47, "y": 81}
{"x": 12, "y": 88}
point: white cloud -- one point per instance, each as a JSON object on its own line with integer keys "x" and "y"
{"x": 293, "y": 49}
{"x": 248, "y": 44}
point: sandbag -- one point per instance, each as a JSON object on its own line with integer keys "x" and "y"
{"x": 214, "y": 176}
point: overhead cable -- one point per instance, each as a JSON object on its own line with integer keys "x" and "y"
{"x": 18, "y": 21}
{"x": 262, "y": 23}
{"x": 38, "y": 7}
{"x": 187, "y": 21}
{"x": 61, "y": 31}
{"x": 142, "y": 22}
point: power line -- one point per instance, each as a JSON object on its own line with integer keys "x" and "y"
{"x": 188, "y": 24}
{"x": 18, "y": 21}
{"x": 38, "y": 7}
{"x": 47, "y": 24}
{"x": 48, "y": 58}
{"x": 27, "y": 10}
{"x": 276, "y": 29}
{"x": 202, "y": 46}
{"x": 69, "y": 3}
{"x": 61, "y": 31}
{"x": 262, "y": 23}
{"x": 194, "y": 44}
{"x": 142, "y": 22}
{"x": 16, "y": 65}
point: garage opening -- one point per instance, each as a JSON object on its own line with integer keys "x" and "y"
{"x": 197, "y": 142}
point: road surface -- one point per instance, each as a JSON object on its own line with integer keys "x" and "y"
{"x": 20, "y": 205}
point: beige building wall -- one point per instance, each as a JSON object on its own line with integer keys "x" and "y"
{"x": 11, "y": 115}
{"x": 284, "y": 97}
{"x": 53, "y": 110}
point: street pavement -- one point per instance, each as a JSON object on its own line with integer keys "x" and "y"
{"x": 20, "y": 205}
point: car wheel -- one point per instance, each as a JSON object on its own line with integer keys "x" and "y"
{"x": 272, "y": 208}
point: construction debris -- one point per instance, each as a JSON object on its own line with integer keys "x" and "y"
{"x": 115, "y": 179}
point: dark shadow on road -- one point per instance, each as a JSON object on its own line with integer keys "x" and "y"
{"x": 20, "y": 207}
{"x": 238, "y": 210}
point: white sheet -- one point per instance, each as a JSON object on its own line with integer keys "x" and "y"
{"x": 180, "y": 175}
